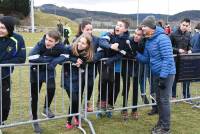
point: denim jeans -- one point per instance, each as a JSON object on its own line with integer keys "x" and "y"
{"x": 186, "y": 89}
{"x": 163, "y": 100}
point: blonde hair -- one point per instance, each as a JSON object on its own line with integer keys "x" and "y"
{"x": 88, "y": 52}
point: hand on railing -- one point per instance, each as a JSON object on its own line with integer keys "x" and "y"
{"x": 79, "y": 62}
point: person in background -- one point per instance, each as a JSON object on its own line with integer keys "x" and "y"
{"x": 60, "y": 27}
{"x": 12, "y": 51}
{"x": 66, "y": 34}
{"x": 195, "y": 40}
{"x": 168, "y": 29}
{"x": 181, "y": 45}
{"x": 158, "y": 53}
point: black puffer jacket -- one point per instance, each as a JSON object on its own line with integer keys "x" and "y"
{"x": 180, "y": 40}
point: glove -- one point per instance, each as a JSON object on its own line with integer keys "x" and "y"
{"x": 161, "y": 83}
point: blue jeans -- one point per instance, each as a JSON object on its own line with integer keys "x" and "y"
{"x": 163, "y": 100}
{"x": 186, "y": 89}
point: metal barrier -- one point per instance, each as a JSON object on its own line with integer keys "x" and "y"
{"x": 20, "y": 93}
{"x": 20, "y": 110}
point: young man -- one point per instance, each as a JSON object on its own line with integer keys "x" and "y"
{"x": 12, "y": 51}
{"x": 136, "y": 43}
{"x": 181, "y": 45}
{"x": 115, "y": 47}
{"x": 158, "y": 53}
{"x": 48, "y": 50}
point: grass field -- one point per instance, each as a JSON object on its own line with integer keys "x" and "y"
{"x": 185, "y": 120}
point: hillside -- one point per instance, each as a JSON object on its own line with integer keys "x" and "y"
{"x": 98, "y": 18}
{"x": 192, "y": 14}
{"x": 105, "y": 19}
{"x": 75, "y": 14}
{"x": 50, "y": 20}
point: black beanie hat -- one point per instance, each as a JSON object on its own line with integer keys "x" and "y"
{"x": 149, "y": 21}
{"x": 9, "y": 23}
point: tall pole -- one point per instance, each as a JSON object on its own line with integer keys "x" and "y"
{"x": 138, "y": 6}
{"x": 32, "y": 16}
{"x": 167, "y": 11}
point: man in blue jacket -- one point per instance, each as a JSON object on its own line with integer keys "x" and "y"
{"x": 159, "y": 54}
{"x": 12, "y": 51}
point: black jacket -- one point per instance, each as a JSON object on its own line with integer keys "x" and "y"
{"x": 180, "y": 40}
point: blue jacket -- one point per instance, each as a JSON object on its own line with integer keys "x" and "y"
{"x": 115, "y": 56}
{"x": 40, "y": 54}
{"x": 195, "y": 42}
{"x": 12, "y": 51}
{"x": 159, "y": 53}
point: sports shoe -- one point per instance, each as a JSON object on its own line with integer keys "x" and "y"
{"x": 47, "y": 113}
{"x": 89, "y": 107}
{"x": 36, "y": 127}
{"x": 189, "y": 102}
{"x": 99, "y": 115}
{"x": 69, "y": 125}
{"x": 109, "y": 114}
{"x": 124, "y": 114}
{"x": 144, "y": 99}
{"x": 153, "y": 112}
{"x": 135, "y": 115}
{"x": 160, "y": 130}
{"x": 76, "y": 121}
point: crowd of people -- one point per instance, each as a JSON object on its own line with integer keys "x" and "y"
{"x": 150, "y": 50}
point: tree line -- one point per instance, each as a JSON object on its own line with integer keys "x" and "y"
{"x": 19, "y": 7}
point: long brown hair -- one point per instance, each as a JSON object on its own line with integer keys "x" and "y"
{"x": 82, "y": 26}
{"x": 88, "y": 52}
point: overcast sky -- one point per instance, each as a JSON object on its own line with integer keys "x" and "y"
{"x": 127, "y": 6}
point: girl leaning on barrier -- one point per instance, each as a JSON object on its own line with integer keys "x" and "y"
{"x": 82, "y": 51}
{"x": 86, "y": 28}
{"x": 12, "y": 51}
{"x": 48, "y": 52}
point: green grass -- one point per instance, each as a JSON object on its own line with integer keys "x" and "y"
{"x": 185, "y": 120}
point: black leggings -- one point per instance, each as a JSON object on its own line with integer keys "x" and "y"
{"x": 75, "y": 104}
{"x": 125, "y": 92}
{"x": 48, "y": 97}
{"x": 5, "y": 97}
{"x": 109, "y": 85}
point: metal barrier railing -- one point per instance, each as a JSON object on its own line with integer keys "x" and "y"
{"x": 20, "y": 109}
